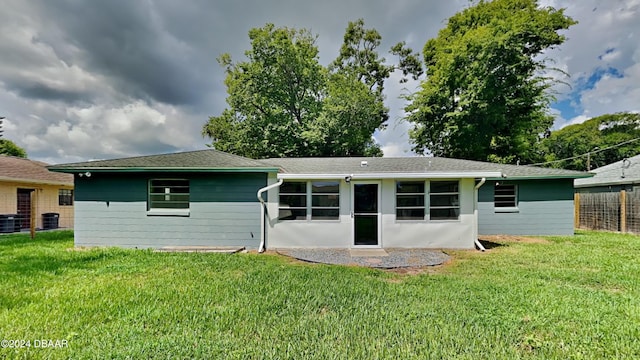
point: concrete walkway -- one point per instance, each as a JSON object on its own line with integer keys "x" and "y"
{"x": 376, "y": 258}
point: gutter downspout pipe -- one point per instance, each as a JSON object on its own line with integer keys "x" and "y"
{"x": 475, "y": 203}
{"x": 263, "y": 229}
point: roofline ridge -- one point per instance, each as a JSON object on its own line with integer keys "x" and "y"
{"x": 231, "y": 154}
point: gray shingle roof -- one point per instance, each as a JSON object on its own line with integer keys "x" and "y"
{"x": 214, "y": 160}
{"x": 202, "y": 160}
{"x": 614, "y": 174}
{"x": 413, "y": 165}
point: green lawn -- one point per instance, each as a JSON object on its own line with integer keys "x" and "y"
{"x": 571, "y": 298}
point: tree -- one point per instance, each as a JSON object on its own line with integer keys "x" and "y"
{"x": 484, "y": 97}
{"x": 8, "y": 147}
{"x": 355, "y": 105}
{"x": 351, "y": 114}
{"x": 272, "y": 97}
{"x": 283, "y": 103}
{"x": 599, "y": 137}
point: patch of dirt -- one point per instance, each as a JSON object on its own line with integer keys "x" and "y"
{"x": 407, "y": 271}
{"x": 513, "y": 238}
{"x": 418, "y": 270}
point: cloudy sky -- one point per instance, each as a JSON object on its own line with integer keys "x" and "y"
{"x": 84, "y": 79}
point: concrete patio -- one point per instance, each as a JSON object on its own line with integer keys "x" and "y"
{"x": 375, "y": 258}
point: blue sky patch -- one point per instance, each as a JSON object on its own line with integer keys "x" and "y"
{"x": 570, "y": 106}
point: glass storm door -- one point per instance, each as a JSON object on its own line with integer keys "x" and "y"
{"x": 366, "y": 218}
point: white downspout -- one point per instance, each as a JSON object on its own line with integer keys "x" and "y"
{"x": 263, "y": 229}
{"x": 475, "y": 204}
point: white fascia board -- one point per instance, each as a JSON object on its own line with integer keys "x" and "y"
{"x": 367, "y": 176}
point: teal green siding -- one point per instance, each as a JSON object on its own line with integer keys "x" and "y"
{"x": 111, "y": 210}
{"x": 545, "y": 207}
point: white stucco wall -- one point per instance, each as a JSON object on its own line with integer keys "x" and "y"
{"x": 458, "y": 234}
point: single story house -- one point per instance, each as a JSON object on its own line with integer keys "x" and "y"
{"x": 27, "y": 186}
{"x": 211, "y": 198}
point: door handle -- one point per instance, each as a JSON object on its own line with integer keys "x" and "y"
{"x": 352, "y": 214}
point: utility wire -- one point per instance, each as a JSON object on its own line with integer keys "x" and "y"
{"x": 585, "y": 154}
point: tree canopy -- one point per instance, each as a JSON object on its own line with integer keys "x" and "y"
{"x": 8, "y": 147}
{"x": 599, "y": 136}
{"x": 283, "y": 103}
{"x": 485, "y": 96}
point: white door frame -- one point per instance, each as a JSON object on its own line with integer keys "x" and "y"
{"x": 378, "y": 213}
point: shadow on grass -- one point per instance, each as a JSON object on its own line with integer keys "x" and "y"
{"x": 46, "y": 253}
{"x": 490, "y": 244}
{"x": 53, "y": 264}
{"x": 24, "y": 239}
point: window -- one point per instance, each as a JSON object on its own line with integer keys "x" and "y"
{"x": 293, "y": 201}
{"x": 325, "y": 200}
{"x": 317, "y": 200}
{"x": 410, "y": 200}
{"x": 168, "y": 194}
{"x": 65, "y": 197}
{"x": 444, "y": 200}
{"x": 505, "y": 196}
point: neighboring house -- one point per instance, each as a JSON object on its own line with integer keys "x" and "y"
{"x": 211, "y": 198}
{"x": 24, "y": 182}
{"x": 611, "y": 199}
{"x": 621, "y": 175}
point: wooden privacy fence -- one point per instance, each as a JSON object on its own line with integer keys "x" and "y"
{"x": 615, "y": 211}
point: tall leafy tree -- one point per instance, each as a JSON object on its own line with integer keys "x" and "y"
{"x": 273, "y": 96}
{"x": 283, "y": 103}
{"x": 8, "y": 147}
{"x": 356, "y": 101}
{"x": 607, "y": 139}
{"x": 484, "y": 96}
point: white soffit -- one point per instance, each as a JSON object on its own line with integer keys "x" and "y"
{"x": 367, "y": 176}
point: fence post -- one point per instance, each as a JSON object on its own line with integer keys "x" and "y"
{"x": 623, "y": 211}
{"x": 576, "y": 211}
{"x": 32, "y": 214}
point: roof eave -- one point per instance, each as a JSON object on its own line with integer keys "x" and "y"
{"x": 392, "y": 175}
{"x": 36, "y": 182}
{"x": 608, "y": 183}
{"x": 542, "y": 177}
{"x": 163, "y": 169}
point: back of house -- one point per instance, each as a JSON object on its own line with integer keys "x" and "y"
{"x": 211, "y": 198}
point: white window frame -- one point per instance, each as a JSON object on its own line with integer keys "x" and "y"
{"x": 506, "y": 209}
{"x": 312, "y": 194}
{"x": 65, "y": 194}
{"x": 424, "y": 196}
{"x": 167, "y": 191}
{"x": 309, "y": 201}
{"x": 436, "y": 207}
{"x": 285, "y": 208}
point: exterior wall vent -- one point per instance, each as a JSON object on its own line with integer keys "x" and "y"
{"x": 363, "y": 163}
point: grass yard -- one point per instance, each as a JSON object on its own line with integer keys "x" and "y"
{"x": 568, "y": 298}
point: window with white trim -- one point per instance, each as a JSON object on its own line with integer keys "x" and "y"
{"x": 325, "y": 200}
{"x": 168, "y": 194}
{"x": 312, "y": 200}
{"x": 293, "y": 201}
{"x": 505, "y": 196}
{"x": 410, "y": 200}
{"x": 444, "y": 200}
{"x": 65, "y": 197}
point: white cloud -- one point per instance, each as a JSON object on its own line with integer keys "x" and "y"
{"x": 577, "y": 120}
{"x": 605, "y": 37}
{"x": 132, "y": 78}
{"x": 613, "y": 94}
